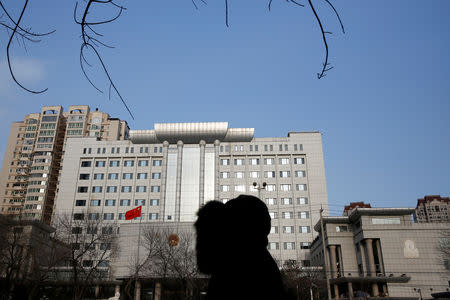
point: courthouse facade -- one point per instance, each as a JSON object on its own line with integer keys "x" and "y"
{"x": 176, "y": 167}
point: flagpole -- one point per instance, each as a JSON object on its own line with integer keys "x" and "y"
{"x": 137, "y": 264}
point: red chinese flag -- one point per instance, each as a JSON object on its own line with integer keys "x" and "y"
{"x": 134, "y": 213}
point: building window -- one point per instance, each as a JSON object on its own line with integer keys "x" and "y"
{"x": 304, "y": 229}
{"x": 225, "y": 162}
{"x": 128, "y": 163}
{"x": 283, "y": 161}
{"x": 127, "y": 176}
{"x": 273, "y": 246}
{"x": 153, "y": 216}
{"x": 305, "y": 245}
{"x": 114, "y": 163}
{"x": 78, "y": 216}
{"x": 93, "y": 216}
{"x": 126, "y": 189}
{"x": 121, "y": 216}
{"x": 144, "y": 175}
{"x": 155, "y": 189}
{"x": 300, "y": 173}
{"x": 269, "y": 161}
{"x": 301, "y": 187}
{"x": 302, "y": 200}
{"x": 77, "y": 230}
{"x": 111, "y": 189}
{"x": 239, "y": 188}
{"x": 271, "y": 201}
{"x": 254, "y": 174}
{"x": 100, "y": 163}
{"x": 274, "y": 229}
{"x": 125, "y": 202}
{"x": 142, "y": 163}
{"x": 303, "y": 215}
{"x": 295, "y": 147}
{"x": 289, "y": 246}
{"x": 239, "y": 162}
{"x": 225, "y": 188}
{"x": 95, "y": 202}
{"x": 157, "y": 163}
{"x": 84, "y": 176}
{"x": 224, "y": 174}
{"x": 269, "y": 174}
{"x": 273, "y": 215}
{"x": 253, "y": 161}
{"x": 113, "y": 176}
{"x": 285, "y": 187}
{"x": 156, "y": 175}
{"x": 82, "y": 189}
{"x": 285, "y": 174}
{"x": 271, "y": 188}
{"x": 287, "y": 214}
{"x": 139, "y": 202}
{"x": 110, "y": 202}
{"x": 385, "y": 221}
{"x": 108, "y": 216}
{"x": 239, "y": 174}
{"x": 99, "y": 176}
{"x": 154, "y": 202}
{"x": 288, "y": 229}
{"x": 299, "y": 160}
{"x": 80, "y": 202}
{"x": 97, "y": 189}
{"x": 286, "y": 201}
{"x": 341, "y": 228}
{"x": 280, "y": 147}
{"x": 141, "y": 189}
{"x": 85, "y": 164}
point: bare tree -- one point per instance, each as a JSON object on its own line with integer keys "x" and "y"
{"x": 93, "y": 243}
{"x": 444, "y": 248}
{"x": 303, "y": 281}
{"x": 84, "y": 16}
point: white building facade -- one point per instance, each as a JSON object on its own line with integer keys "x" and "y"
{"x": 175, "y": 168}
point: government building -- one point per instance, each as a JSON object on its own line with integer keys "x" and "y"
{"x": 175, "y": 168}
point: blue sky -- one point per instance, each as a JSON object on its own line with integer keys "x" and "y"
{"x": 383, "y": 110}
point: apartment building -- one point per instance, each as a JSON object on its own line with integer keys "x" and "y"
{"x": 33, "y": 156}
{"x": 176, "y": 167}
{"x": 432, "y": 209}
{"x": 382, "y": 252}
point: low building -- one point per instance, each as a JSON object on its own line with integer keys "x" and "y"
{"x": 432, "y": 209}
{"x": 381, "y": 251}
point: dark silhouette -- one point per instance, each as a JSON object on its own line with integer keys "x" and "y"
{"x": 232, "y": 248}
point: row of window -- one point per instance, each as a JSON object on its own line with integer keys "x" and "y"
{"x": 115, "y": 176}
{"x": 291, "y": 229}
{"x": 124, "y": 189}
{"x": 122, "y": 202}
{"x": 286, "y": 201}
{"x": 281, "y": 147}
{"x": 288, "y": 245}
{"x": 111, "y": 216}
{"x": 116, "y": 163}
{"x": 267, "y": 174}
{"x": 267, "y": 161}
{"x": 289, "y": 215}
{"x": 115, "y": 150}
{"x": 268, "y": 187}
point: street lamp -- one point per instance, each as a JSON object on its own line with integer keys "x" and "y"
{"x": 259, "y": 188}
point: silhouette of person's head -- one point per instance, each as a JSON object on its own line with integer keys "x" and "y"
{"x": 210, "y": 226}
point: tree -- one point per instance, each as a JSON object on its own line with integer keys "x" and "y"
{"x": 303, "y": 281}
{"x": 169, "y": 255}
{"x": 85, "y": 17}
{"x": 444, "y": 248}
{"x": 92, "y": 244}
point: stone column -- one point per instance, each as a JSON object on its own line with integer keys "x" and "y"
{"x": 363, "y": 259}
{"x": 336, "y": 291}
{"x": 157, "y": 293}
{"x": 179, "y": 172}
{"x": 370, "y": 257}
{"x": 117, "y": 289}
{"x": 341, "y": 265}
{"x": 333, "y": 261}
{"x": 375, "y": 291}
{"x": 202, "y": 173}
{"x": 162, "y": 203}
{"x": 137, "y": 292}
{"x": 385, "y": 289}
{"x": 217, "y": 163}
{"x": 380, "y": 258}
{"x": 350, "y": 290}
{"x": 97, "y": 291}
